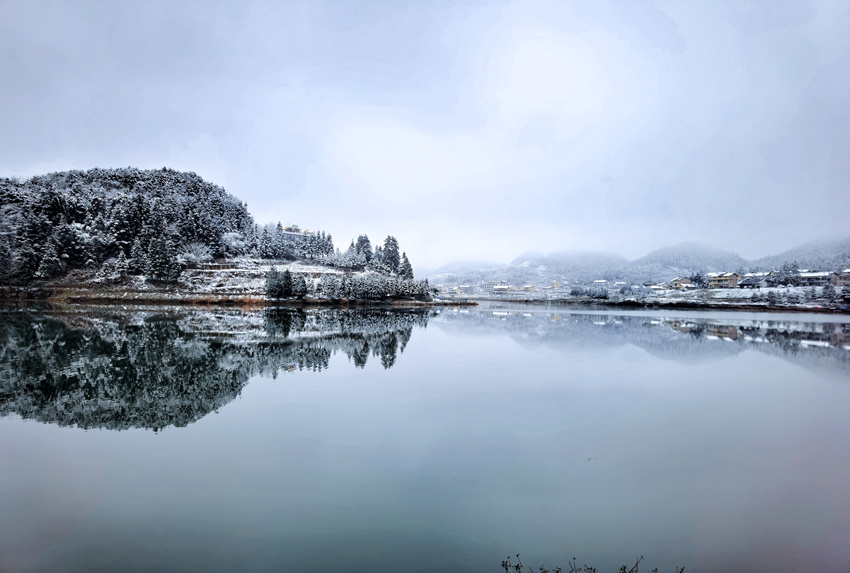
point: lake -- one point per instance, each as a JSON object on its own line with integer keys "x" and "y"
{"x": 437, "y": 440}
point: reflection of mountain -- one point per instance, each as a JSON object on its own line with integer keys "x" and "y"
{"x": 818, "y": 344}
{"x": 152, "y": 370}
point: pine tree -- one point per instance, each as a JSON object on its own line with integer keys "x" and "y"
{"x": 286, "y": 284}
{"x": 405, "y": 271}
{"x": 364, "y": 247}
{"x": 299, "y": 285}
{"x": 278, "y": 241}
{"x": 122, "y": 266}
{"x": 699, "y": 280}
{"x": 829, "y": 293}
{"x": 162, "y": 261}
{"x": 7, "y": 261}
{"x": 51, "y": 265}
{"x": 274, "y": 284}
{"x": 138, "y": 257}
{"x": 265, "y": 249}
{"x": 390, "y": 257}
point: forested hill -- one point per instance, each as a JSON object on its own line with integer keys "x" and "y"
{"x": 60, "y": 221}
{"x": 117, "y": 223}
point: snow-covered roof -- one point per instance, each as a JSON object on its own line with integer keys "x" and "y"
{"x": 816, "y": 274}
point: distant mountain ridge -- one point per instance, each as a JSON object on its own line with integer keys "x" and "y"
{"x": 817, "y": 255}
{"x": 663, "y": 264}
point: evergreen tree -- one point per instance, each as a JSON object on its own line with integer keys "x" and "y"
{"x": 278, "y": 241}
{"x": 265, "y": 250}
{"x": 699, "y": 280}
{"x": 122, "y": 266}
{"x": 274, "y": 284}
{"x": 286, "y": 284}
{"x": 25, "y": 260}
{"x": 377, "y": 261}
{"x": 162, "y": 261}
{"x": 7, "y": 261}
{"x": 299, "y": 286}
{"x": 364, "y": 247}
{"x": 390, "y": 257}
{"x": 829, "y": 293}
{"x": 138, "y": 257}
{"x": 51, "y": 265}
{"x": 405, "y": 270}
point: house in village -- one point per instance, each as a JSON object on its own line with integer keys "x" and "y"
{"x": 752, "y": 282}
{"x": 490, "y": 286}
{"x": 681, "y": 283}
{"x": 723, "y": 280}
{"x": 816, "y": 278}
{"x": 842, "y": 279}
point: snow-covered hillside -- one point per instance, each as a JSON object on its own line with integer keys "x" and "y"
{"x": 661, "y": 265}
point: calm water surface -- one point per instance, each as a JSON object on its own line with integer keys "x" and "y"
{"x": 423, "y": 441}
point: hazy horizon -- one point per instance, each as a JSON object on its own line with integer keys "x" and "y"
{"x": 468, "y": 130}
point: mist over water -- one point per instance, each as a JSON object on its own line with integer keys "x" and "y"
{"x": 422, "y": 440}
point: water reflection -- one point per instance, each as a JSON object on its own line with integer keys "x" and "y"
{"x": 820, "y": 345}
{"x": 154, "y": 369}
{"x": 158, "y": 369}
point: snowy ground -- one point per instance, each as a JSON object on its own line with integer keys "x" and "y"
{"x": 248, "y": 278}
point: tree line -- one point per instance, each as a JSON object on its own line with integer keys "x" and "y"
{"x": 367, "y": 286}
{"x": 132, "y": 221}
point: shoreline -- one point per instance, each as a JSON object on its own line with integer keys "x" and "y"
{"x": 70, "y": 296}
{"x": 55, "y": 295}
{"x": 681, "y": 305}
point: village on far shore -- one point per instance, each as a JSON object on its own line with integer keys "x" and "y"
{"x": 792, "y": 288}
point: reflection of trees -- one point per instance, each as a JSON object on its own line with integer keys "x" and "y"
{"x": 153, "y": 371}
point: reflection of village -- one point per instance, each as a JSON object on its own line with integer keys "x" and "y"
{"x": 819, "y": 340}
{"x": 827, "y": 334}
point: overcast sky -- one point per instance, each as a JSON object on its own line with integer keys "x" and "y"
{"x": 469, "y": 130}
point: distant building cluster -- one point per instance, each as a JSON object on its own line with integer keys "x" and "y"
{"x": 804, "y": 278}
{"x": 715, "y": 280}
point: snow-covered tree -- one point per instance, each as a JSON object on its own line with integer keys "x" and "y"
{"x": 138, "y": 257}
{"x": 50, "y": 265}
{"x": 405, "y": 271}
{"x": 194, "y": 253}
{"x": 391, "y": 256}
{"x": 286, "y": 283}
{"x": 275, "y": 288}
{"x": 265, "y": 246}
{"x": 163, "y": 265}
{"x": 364, "y": 247}
{"x": 299, "y": 285}
{"x": 122, "y": 265}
